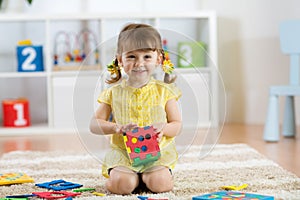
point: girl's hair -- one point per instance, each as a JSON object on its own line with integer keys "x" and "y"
{"x": 138, "y": 37}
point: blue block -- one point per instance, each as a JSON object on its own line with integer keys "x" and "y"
{"x": 30, "y": 58}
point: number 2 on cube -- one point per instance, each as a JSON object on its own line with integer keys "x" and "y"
{"x": 31, "y": 56}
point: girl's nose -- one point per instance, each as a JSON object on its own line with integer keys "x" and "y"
{"x": 139, "y": 62}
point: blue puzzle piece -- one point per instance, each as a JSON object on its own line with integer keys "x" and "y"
{"x": 142, "y": 197}
{"x": 58, "y": 185}
{"x": 24, "y": 196}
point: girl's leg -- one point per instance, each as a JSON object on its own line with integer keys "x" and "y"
{"x": 158, "y": 179}
{"x": 122, "y": 181}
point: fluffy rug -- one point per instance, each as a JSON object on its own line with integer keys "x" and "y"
{"x": 225, "y": 165}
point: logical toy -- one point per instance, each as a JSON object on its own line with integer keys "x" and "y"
{"x": 73, "y": 48}
{"x": 21, "y": 196}
{"x": 99, "y": 194}
{"x": 234, "y": 187}
{"x": 58, "y": 185}
{"x": 149, "y": 198}
{"x": 84, "y": 190}
{"x": 14, "y": 178}
{"x": 142, "y": 145}
{"x": 56, "y": 195}
{"x": 232, "y": 195}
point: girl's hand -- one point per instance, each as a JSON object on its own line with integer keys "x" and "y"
{"x": 158, "y": 127}
{"x": 125, "y": 128}
{"x": 159, "y": 136}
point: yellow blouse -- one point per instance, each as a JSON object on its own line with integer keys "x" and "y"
{"x": 143, "y": 106}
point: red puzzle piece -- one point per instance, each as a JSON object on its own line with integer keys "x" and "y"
{"x": 55, "y": 195}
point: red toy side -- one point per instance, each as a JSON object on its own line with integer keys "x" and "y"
{"x": 142, "y": 145}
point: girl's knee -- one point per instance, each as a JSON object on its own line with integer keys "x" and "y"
{"x": 158, "y": 187}
{"x": 121, "y": 182}
{"x": 159, "y": 181}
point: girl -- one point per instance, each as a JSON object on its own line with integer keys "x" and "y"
{"x": 138, "y": 101}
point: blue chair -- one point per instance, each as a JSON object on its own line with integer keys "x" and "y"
{"x": 290, "y": 45}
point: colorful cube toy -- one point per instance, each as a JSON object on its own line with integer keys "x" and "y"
{"x": 142, "y": 145}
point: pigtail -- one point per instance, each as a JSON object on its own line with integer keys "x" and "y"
{"x": 168, "y": 68}
{"x": 115, "y": 72}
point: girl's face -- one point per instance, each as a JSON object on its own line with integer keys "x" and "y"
{"x": 139, "y": 65}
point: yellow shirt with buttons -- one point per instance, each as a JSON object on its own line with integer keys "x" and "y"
{"x": 143, "y": 106}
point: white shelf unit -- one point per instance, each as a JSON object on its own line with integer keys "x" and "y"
{"x": 51, "y": 93}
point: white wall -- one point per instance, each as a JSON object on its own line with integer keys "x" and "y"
{"x": 249, "y": 54}
{"x": 250, "y": 59}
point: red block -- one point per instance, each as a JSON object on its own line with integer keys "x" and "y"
{"x": 16, "y": 112}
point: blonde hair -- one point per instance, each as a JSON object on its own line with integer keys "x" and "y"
{"x": 134, "y": 37}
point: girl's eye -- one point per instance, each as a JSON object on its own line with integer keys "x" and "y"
{"x": 130, "y": 56}
{"x": 148, "y": 56}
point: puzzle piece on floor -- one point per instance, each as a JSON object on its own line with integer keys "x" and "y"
{"x": 56, "y": 195}
{"x": 232, "y": 195}
{"x": 99, "y": 194}
{"x": 84, "y": 190}
{"x": 149, "y": 198}
{"x": 21, "y": 196}
{"x": 234, "y": 187}
{"x": 142, "y": 145}
{"x": 58, "y": 185}
{"x": 14, "y": 178}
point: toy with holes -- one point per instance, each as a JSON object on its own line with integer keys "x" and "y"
{"x": 142, "y": 145}
{"x": 14, "y": 178}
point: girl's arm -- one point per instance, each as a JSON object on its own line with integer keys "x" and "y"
{"x": 99, "y": 123}
{"x": 174, "y": 125}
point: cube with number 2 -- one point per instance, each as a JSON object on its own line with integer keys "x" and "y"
{"x": 30, "y": 58}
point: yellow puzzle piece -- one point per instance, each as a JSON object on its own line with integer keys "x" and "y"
{"x": 14, "y": 178}
{"x": 234, "y": 187}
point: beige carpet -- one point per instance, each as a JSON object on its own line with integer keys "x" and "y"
{"x": 225, "y": 165}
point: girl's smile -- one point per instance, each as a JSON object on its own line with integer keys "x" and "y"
{"x": 139, "y": 70}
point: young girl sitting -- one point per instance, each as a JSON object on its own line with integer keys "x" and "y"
{"x": 138, "y": 101}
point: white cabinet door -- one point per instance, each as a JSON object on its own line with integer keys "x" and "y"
{"x": 73, "y": 101}
{"x": 194, "y": 103}
{"x": 63, "y": 101}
